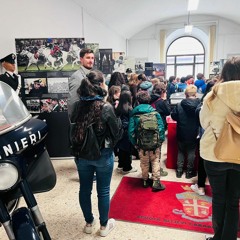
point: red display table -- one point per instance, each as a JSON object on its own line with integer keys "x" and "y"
{"x": 172, "y": 148}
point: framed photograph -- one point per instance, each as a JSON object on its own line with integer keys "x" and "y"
{"x": 35, "y": 87}
{"x": 33, "y": 105}
{"x": 140, "y": 65}
{"x": 118, "y": 62}
{"x": 159, "y": 70}
{"x": 48, "y": 54}
{"x": 49, "y": 105}
{"x": 105, "y": 61}
{"x": 58, "y": 85}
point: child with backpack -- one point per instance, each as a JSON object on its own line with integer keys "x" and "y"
{"x": 146, "y": 132}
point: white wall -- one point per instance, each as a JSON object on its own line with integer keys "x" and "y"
{"x": 147, "y": 42}
{"x": 52, "y": 18}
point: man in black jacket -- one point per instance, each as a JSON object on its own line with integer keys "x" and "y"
{"x": 187, "y": 131}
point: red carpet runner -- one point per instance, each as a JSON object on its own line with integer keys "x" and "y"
{"x": 176, "y": 207}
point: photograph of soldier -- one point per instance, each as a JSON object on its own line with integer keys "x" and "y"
{"x": 35, "y": 87}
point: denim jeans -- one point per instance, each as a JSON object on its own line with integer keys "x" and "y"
{"x": 103, "y": 167}
{"x": 224, "y": 179}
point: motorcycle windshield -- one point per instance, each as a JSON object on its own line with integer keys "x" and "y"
{"x": 13, "y": 112}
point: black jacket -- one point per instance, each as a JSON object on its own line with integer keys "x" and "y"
{"x": 162, "y": 107}
{"x": 8, "y": 79}
{"x": 111, "y": 130}
{"x": 184, "y": 114}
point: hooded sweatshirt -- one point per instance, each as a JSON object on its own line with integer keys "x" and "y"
{"x": 184, "y": 114}
{"x": 212, "y": 119}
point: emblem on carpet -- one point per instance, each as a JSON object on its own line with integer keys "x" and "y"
{"x": 176, "y": 207}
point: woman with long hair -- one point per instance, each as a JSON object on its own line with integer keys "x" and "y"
{"x": 224, "y": 177}
{"x": 91, "y": 109}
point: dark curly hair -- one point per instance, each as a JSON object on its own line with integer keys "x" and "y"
{"x": 89, "y": 108}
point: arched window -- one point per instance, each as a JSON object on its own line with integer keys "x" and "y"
{"x": 185, "y": 56}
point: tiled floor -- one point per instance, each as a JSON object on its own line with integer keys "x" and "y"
{"x": 64, "y": 219}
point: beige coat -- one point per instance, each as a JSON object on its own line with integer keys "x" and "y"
{"x": 228, "y": 97}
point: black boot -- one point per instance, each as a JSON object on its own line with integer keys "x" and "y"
{"x": 190, "y": 174}
{"x": 179, "y": 172}
{"x": 147, "y": 183}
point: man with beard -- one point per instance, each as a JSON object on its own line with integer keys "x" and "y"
{"x": 87, "y": 62}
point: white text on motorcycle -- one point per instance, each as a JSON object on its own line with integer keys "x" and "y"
{"x": 21, "y": 144}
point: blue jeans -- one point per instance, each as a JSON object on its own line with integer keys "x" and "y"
{"x": 224, "y": 179}
{"x": 103, "y": 167}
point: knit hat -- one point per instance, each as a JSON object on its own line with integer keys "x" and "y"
{"x": 143, "y": 97}
{"x": 146, "y": 85}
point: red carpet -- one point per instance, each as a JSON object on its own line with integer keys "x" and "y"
{"x": 176, "y": 207}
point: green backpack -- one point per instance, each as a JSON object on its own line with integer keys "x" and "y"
{"x": 148, "y": 133}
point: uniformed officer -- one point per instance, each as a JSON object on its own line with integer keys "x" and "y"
{"x": 9, "y": 76}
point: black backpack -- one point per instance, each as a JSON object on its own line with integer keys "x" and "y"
{"x": 89, "y": 149}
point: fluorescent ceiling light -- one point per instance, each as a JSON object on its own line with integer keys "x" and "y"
{"x": 188, "y": 28}
{"x": 192, "y": 5}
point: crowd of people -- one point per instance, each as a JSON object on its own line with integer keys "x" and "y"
{"x": 131, "y": 102}
{"x": 127, "y": 119}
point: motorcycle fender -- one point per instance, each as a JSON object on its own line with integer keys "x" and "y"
{"x": 23, "y": 225}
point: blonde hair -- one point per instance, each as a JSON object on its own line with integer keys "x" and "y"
{"x": 155, "y": 81}
{"x": 133, "y": 80}
{"x": 191, "y": 91}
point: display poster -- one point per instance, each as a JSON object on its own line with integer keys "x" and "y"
{"x": 140, "y": 65}
{"x": 119, "y": 62}
{"x": 159, "y": 70}
{"x": 105, "y": 61}
{"x": 48, "y": 54}
{"x": 148, "y": 69}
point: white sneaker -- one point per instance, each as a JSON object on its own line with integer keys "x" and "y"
{"x": 130, "y": 171}
{"x": 119, "y": 170}
{"x": 88, "y": 228}
{"x": 200, "y": 191}
{"x": 109, "y": 227}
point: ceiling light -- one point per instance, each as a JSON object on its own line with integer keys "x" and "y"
{"x": 188, "y": 28}
{"x": 192, "y": 5}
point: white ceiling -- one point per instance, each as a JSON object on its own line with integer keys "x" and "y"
{"x": 128, "y": 17}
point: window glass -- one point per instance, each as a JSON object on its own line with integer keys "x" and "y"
{"x": 185, "y": 55}
{"x": 198, "y": 68}
{"x": 185, "y": 45}
{"x": 185, "y": 59}
{"x": 184, "y": 70}
{"x": 170, "y": 60}
{"x": 199, "y": 58}
{"x": 170, "y": 71}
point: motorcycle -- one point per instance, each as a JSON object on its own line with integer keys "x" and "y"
{"x": 25, "y": 168}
